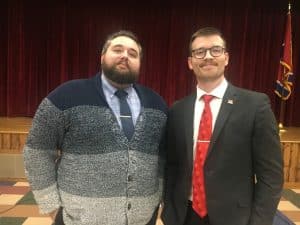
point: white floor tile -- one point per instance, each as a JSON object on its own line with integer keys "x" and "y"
{"x": 287, "y": 206}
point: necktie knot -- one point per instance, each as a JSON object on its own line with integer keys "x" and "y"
{"x": 121, "y": 94}
{"x": 207, "y": 98}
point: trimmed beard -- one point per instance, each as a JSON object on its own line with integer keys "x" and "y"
{"x": 112, "y": 73}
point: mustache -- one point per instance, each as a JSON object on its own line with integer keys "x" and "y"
{"x": 208, "y": 62}
{"x": 123, "y": 61}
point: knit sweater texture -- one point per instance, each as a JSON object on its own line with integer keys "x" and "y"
{"x": 101, "y": 177}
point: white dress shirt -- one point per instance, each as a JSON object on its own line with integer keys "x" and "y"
{"x": 215, "y": 105}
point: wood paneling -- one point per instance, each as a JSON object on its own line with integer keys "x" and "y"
{"x": 290, "y": 143}
{"x": 291, "y": 159}
{"x": 12, "y": 143}
{"x": 13, "y": 133}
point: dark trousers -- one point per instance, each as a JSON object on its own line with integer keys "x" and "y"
{"x": 192, "y": 218}
{"x": 59, "y": 218}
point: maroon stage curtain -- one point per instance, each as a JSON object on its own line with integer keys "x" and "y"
{"x": 45, "y": 43}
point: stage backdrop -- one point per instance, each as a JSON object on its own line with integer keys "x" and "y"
{"x": 45, "y": 43}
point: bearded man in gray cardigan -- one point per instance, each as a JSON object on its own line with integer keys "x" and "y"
{"x": 103, "y": 176}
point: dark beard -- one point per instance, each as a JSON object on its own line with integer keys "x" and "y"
{"x": 116, "y": 76}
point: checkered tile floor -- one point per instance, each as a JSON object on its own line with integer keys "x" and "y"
{"x": 17, "y": 205}
{"x": 290, "y": 205}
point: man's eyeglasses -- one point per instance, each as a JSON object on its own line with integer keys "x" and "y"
{"x": 214, "y": 51}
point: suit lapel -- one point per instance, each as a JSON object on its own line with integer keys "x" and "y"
{"x": 189, "y": 125}
{"x": 227, "y": 105}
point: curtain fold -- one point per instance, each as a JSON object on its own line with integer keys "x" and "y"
{"x": 44, "y": 44}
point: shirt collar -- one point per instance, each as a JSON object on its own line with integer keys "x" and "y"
{"x": 218, "y": 92}
{"x": 111, "y": 89}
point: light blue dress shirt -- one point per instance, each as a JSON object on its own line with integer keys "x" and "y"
{"x": 113, "y": 101}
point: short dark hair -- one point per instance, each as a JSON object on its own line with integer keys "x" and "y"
{"x": 206, "y": 31}
{"x": 120, "y": 33}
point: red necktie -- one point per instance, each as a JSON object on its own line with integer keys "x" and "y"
{"x": 204, "y": 134}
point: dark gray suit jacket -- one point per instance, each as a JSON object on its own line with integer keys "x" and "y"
{"x": 244, "y": 144}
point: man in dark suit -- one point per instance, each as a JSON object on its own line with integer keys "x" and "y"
{"x": 238, "y": 175}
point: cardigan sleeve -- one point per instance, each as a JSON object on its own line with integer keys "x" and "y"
{"x": 41, "y": 153}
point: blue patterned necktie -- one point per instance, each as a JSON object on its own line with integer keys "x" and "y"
{"x": 125, "y": 114}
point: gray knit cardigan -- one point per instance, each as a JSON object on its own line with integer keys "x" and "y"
{"x": 101, "y": 178}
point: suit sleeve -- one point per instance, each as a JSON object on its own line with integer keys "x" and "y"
{"x": 268, "y": 165}
{"x": 40, "y": 154}
{"x": 171, "y": 159}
